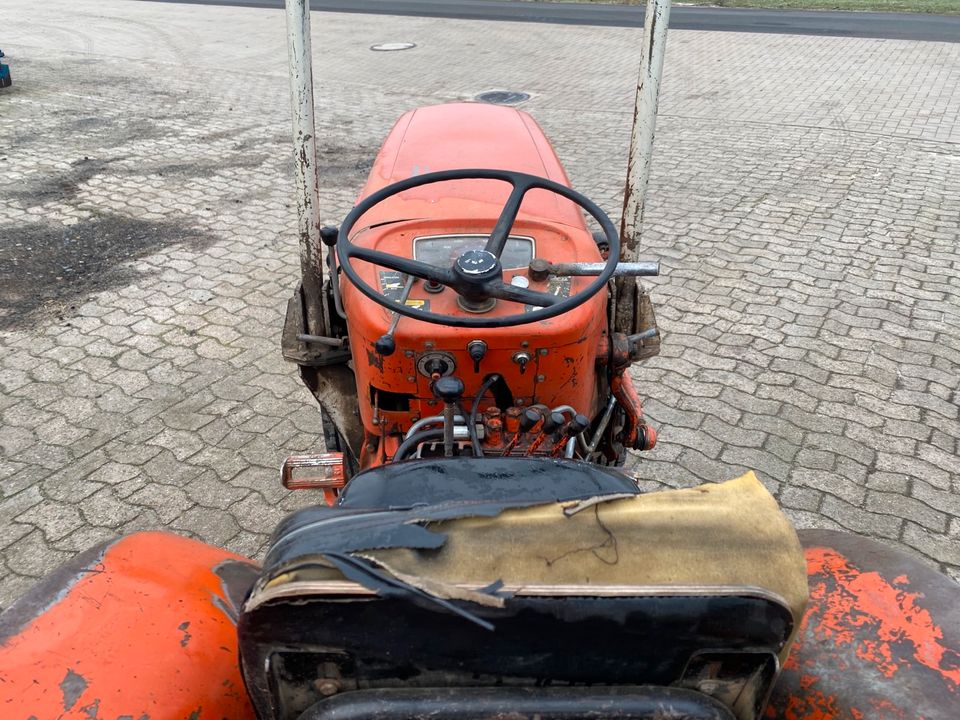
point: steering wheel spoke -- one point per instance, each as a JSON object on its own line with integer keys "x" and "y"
{"x": 501, "y": 231}
{"x": 505, "y": 291}
{"x": 422, "y": 270}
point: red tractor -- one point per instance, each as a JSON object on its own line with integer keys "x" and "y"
{"x": 474, "y": 553}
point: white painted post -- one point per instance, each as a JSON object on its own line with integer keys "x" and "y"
{"x": 305, "y": 161}
{"x": 656, "y": 20}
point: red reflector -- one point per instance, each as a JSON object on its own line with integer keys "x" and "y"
{"x": 303, "y": 472}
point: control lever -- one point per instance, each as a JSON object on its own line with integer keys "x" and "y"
{"x": 521, "y": 359}
{"x": 635, "y": 342}
{"x": 571, "y": 430}
{"x": 449, "y": 390}
{"x": 528, "y": 419}
{"x": 541, "y": 269}
{"x": 477, "y": 349}
{"x": 385, "y": 344}
{"x": 550, "y": 424}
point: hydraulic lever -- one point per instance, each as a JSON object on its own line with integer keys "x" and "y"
{"x": 528, "y": 420}
{"x": 570, "y": 430}
{"x": 385, "y": 344}
{"x": 550, "y": 424}
{"x": 449, "y": 390}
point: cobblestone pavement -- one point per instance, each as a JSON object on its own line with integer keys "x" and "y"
{"x": 804, "y": 202}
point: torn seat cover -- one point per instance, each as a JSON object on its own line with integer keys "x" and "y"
{"x": 612, "y": 587}
{"x": 719, "y": 536}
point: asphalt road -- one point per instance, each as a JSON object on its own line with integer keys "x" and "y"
{"x": 900, "y": 26}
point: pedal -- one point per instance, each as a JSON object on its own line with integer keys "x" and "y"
{"x": 321, "y": 471}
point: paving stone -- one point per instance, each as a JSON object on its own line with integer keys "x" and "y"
{"x": 32, "y": 556}
{"x": 808, "y": 304}
{"x": 906, "y": 507}
{"x": 830, "y": 483}
{"x": 214, "y": 526}
{"x": 104, "y": 509}
{"x": 54, "y": 520}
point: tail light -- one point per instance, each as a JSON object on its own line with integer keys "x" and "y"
{"x": 322, "y": 471}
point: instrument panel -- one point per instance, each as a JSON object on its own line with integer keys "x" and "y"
{"x": 443, "y": 250}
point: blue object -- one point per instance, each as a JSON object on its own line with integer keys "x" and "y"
{"x": 5, "y": 79}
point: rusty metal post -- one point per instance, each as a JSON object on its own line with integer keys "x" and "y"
{"x": 656, "y": 20}
{"x": 305, "y": 160}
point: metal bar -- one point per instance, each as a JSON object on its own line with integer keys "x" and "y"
{"x": 305, "y": 162}
{"x": 402, "y": 301}
{"x": 602, "y": 425}
{"x": 432, "y": 420}
{"x": 520, "y": 703}
{"x": 320, "y": 340}
{"x": 656, "y": 20}
{"x": 643, "y": 268}
{"x": 655, "y": 24}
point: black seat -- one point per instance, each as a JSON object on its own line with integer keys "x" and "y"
{"x": 433, "y": 481}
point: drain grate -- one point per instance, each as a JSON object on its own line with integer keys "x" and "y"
{"x": 503, "y": 97}
{"x": 393, "y": 46}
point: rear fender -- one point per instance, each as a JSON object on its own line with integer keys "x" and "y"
{"x": 143, "y": 627}
{"x": 879, "y": 640}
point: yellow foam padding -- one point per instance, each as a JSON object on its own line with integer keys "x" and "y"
{"x": 715, "y": 535}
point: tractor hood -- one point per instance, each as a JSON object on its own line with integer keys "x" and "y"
{"x": 485, "y": 137}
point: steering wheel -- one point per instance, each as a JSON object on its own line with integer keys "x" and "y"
{"x": 477, "y": 275}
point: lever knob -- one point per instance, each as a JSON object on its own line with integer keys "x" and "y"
{"x": 529, "y": 418}
{"x": 448, "y": 389}
{"x": 552, "y": 422}
{"x": 577, "y": 425}
{"x": 478, "y": 351}
{"x": 385, "y": 345}
{"x": 328, "y": 235}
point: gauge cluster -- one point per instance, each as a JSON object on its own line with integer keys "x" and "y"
{"x": 443, "y": 250}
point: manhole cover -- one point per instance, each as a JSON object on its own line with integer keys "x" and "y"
{"x": 503, "y": 97}
{"x": 392, "y": 47}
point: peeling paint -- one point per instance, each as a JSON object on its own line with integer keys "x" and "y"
{"x": 72, "y": 686}
{"x": 888, "y": 612}
{"x": 92, "y": 711}
{"x": 182, "y": 627}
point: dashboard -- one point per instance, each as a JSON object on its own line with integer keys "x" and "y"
{"x": 443, "y": 250}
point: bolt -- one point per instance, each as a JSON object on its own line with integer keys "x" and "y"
{"x": 543, "y": 351}
{"x": 327, "y": 686}
{"x": 525, "y": 343}
{"x": 541, "y": 378}
{"x": 411, "y": 378}
{"x": 408, "y": 353}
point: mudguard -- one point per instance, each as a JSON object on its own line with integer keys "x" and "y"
{"x": 141, "y": 628}
{"x": 880, "y": 639}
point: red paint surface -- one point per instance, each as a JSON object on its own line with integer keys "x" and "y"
{"x": 139, "y": 635}
{"x": 893, "y": 615}
{"x": 866, "y": 646}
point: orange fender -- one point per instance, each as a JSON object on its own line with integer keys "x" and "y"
{"x": 880, "y": 639}
{"x": 141, "y": 628}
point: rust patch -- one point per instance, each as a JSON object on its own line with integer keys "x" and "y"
{"x": 92, "y": 711}
{"x": 869, "y": 646}
{"x": 72, "y": 687}
{"x": 182, "y": 627}
{"x": 375, "y": 359}
{"x": 889, "y": 613}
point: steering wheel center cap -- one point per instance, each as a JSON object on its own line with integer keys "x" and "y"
{"x": 477, "y": 263}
